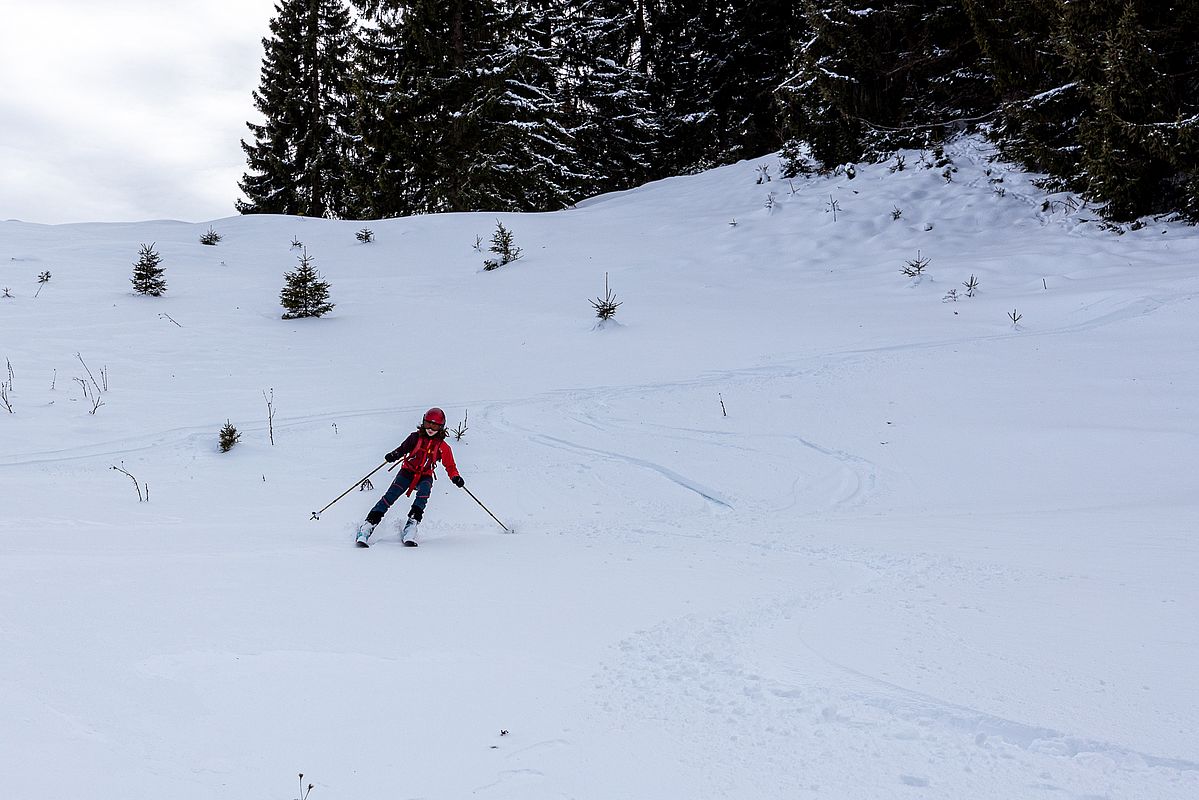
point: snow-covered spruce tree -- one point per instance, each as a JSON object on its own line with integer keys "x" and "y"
{"x": 1042, "y": 102}
{"x": 714, "y": 67}
{"x": 606, "y": 95}
{"x": 305, "y": 293}
{"x": 416, "y": 120}
{"x": 147, "y": 273}
{"x": 525, "y": 157}
{"x": 755, "y": 41}
{"x": 380, "y": 177}
{"x": 1138, "y": 61}
{"x": 1098, "y": 98}
{"x": 682, "y": 58}
{"x": 870, "y": 78}
{"x": 228, "y": 437}
{"x": 299, "y": 157}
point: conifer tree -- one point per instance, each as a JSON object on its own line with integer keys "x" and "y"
{"x": 147, "y": 274}
{"x": 525, "y": 157}
{"x": 228, "y": 436}
{"x": 683, "y": 60}
{"x": 873, "y": 77}
{"x": 1139, "y": 64}
{"x": 381, "y": 164}
{"x": 1040, "y": 102}
{"x": 1102, "y": 96}
{"x": 305, "y": 293}
{"x": 299, "y": 157}
{"x": 755, "y": 40}
{"x": 607, "y": 94}
{"x": 417, "y": 120}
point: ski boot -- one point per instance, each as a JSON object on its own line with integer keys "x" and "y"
{"x": 364, "y": 532}
{"x": 408, "y": 537}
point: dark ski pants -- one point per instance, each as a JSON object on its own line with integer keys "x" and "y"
{"x": 400, "y": 485}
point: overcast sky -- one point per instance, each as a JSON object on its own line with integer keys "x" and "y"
{"x": 125, "y": 110}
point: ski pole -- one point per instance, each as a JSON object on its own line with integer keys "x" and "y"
{"x": 317, "y": 514}
{"x": 485, "y": 508}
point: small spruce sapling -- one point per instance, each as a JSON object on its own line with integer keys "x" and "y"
{"x": 503, "y": 246}
{"x": 605, "y": 307}
{"x": 305, "y": 293}
{"x": 915, "y": 267}
{"x": 793, "y": 162}
{"x": 228, "y": 437}
{"x": 460, "y": 431}
{"x": 210, "y": 237}
{"x": 971, "y": 286}
{"x": 366, "y": 236}
{"x": 42, "y": 280}
{"x": 147, "y": 273}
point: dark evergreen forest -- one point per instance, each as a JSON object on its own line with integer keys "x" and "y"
{"x": 384, "y": 108}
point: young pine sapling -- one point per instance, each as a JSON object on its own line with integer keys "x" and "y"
{"x": 503, "y": 246}
{"x": 460, "y": 431}
{"x": 147, "y": 273}
{"x": 305, "y": 293}
{"x": 605, "y": 307}
{"x": 916, "y": 266}
{"x": 228, "y": 437}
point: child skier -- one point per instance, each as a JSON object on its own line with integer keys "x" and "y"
{"x": 420, "y": 452}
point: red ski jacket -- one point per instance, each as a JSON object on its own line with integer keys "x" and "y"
{"x": 421, "y": 453}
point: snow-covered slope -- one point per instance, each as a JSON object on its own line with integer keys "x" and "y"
{"x": 793, "y": 525}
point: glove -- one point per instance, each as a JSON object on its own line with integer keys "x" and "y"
{"x": 457, "y": 480}
{"x": 391, "y": 457}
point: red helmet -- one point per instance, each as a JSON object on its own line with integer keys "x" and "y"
{"x": 435, "y": 415}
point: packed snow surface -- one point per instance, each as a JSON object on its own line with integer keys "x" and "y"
{"x": 792, "y": 524}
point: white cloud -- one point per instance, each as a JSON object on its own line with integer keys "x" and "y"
{"x": 128, "y": 110}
